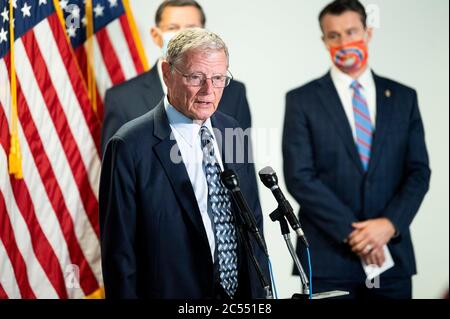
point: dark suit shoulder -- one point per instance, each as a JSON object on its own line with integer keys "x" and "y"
{"x": 395, "y": 85}
{"x": 305, "y": 96}
{"x": 225, "y": 120}
{"x": 313, "y": 86}
{"x": 307, "y": 88}
{"x": 236, "y": 85}
{"x": 137, "y": 132}
{"x": 234, "y": 102}
{"x": 124, "y": 88}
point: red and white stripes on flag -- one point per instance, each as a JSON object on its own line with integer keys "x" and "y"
{"x": 117, "y": 52}
{"x": 49, "y": 229}
{"x": 115, "y": 55}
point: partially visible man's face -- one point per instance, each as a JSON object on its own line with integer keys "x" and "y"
{"x": 339, "y": 30}
{"x": 197, "y": 103}
{"x": 174, "y": 19}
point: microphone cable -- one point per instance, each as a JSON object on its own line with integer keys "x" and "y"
{"x": 272, "y": 279}
{"x": 310, "y": 274}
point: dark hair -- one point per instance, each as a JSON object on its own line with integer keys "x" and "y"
{"x": 338, "y": 7}
{"x": 179, "y": 3}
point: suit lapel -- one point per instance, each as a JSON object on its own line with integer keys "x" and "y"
{"x": 176, "y": 173}
{"x": 332, "y": 104}
{"x": 384, "y": 112}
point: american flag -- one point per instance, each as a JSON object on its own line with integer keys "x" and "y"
{"x": 49, "y": 230}
{"x": 117, "y": 52}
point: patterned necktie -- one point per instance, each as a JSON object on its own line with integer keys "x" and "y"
{"x": 226, "y": 242}
{"x": 364, "y": 127}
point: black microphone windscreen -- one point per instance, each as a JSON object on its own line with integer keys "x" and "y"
{"x": 267, "y": 171}
{"x": 229, "y": 179}
{"x": 268, "y": 176}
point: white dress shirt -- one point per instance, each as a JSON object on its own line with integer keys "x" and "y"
{"x": 343, "y": 83}
{"x": 187, "y": 135}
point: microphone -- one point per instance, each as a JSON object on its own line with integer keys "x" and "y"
{"x": 269, "y": 178}
{"x": 231, "y": 182}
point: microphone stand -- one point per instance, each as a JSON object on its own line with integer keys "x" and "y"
{"x": 284, "y": 211}
{"x": 246, "y": 224}
{"x": 276, "y": 215}
{"x": 245, "y": 239}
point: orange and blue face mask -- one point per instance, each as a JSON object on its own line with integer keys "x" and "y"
{"x": 351, "y": 57}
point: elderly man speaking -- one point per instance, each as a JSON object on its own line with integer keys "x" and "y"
{"x": 168, "y": 227}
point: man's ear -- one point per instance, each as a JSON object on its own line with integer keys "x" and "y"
{"x": 323, "y": 39}
{"x": 156, "y": 36}
{"x": 324, "y": 42}
{"x": 369, "y": 32}
{"x": 166, "y": 70}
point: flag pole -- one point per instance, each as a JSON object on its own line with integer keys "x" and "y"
{"x": 135, "y": 34}
{"x": 92, "y": 88}
{"x": 15, "y": 156}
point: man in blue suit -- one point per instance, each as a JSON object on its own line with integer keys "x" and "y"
{"x": 355, "y": 159}
{"x": 139, "y": 95}
{"x": 168, "y": 227}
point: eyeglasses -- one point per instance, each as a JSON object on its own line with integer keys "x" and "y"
{"x": 199, "y": 79}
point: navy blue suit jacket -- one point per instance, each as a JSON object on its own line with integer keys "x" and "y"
{"x": 153, "y": 241}
{"x": 325, "y": 175}
{"x": 139, "y": 95}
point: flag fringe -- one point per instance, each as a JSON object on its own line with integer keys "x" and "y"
{"x": 98, "y": 294}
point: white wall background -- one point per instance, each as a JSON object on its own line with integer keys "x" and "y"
{"x": 275, "y": 46}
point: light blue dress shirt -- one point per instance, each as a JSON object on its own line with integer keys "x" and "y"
{"x": 187, "y": 135}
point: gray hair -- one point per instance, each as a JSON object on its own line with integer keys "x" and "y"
{"x": 193, "y": 39}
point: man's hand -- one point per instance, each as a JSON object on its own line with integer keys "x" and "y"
{"x": 371, "y": 235}
{"x": 375, "y": 257}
